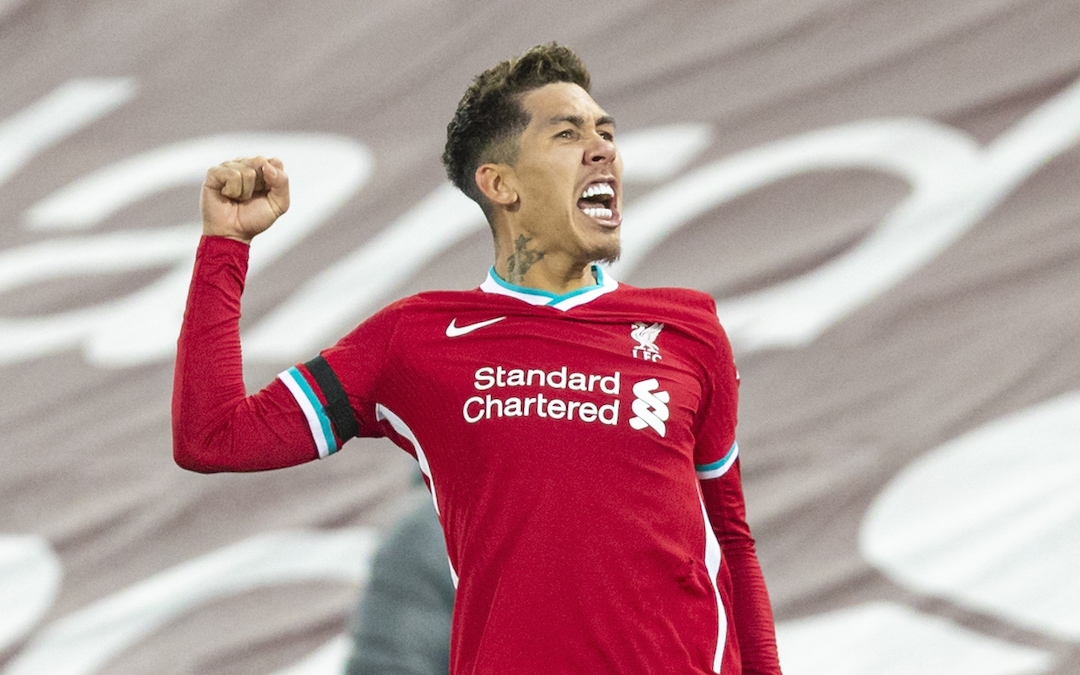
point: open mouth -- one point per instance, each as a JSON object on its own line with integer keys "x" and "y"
{"x": 598, "y": 202}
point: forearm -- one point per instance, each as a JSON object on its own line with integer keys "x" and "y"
{"x": 216, "y": 426}
{"x": 751, "y": 609}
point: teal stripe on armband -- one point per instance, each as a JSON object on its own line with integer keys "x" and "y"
{"x": 720, "y": 466}
{"x": 309, "y": 403}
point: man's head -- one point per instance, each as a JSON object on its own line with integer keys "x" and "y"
{"x": 490, "y": 115}
{"x": 536, "y": 152}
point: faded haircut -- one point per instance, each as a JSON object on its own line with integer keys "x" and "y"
{"x": 490, "y": 117}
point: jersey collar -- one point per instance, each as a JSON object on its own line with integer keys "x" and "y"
{"x": 604, "y": 284}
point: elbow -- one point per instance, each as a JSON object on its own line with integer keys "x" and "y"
{"x": 186, "y": 459}
{"x": 188, "y": 463}
{"x": 190, "y": 454}
{"x": 185, "y": 443}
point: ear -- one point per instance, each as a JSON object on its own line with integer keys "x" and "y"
{"x": 492, "y": 179}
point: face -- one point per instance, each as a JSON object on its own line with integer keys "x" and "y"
{"x": 568, "y": 176}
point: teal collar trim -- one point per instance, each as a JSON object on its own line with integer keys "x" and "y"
{"x": 552, "y": 299}
{"x": 604, "y": 284}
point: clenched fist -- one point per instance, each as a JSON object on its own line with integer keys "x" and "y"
{"x": 244, "y": 197}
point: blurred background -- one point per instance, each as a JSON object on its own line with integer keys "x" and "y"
{"x": 883, "y": 197}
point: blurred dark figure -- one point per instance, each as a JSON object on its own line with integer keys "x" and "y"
{"x": 402, "y": 622}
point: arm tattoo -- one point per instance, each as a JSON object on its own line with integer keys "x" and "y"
{"x": 522, "y": 259}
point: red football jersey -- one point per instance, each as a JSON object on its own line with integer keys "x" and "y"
{"x": 568, "y": 443}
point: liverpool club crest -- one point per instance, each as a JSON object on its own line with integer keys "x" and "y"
{"x": 645, "y": 334}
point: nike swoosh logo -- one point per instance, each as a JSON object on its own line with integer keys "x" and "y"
{"x": 454, "y": 330}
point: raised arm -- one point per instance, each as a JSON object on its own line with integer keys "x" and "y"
{"x": 216, "y": 426}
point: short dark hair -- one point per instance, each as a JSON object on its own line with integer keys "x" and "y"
{"x": 489, "y": 116}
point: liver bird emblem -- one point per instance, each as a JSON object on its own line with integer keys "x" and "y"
{"x": 645, "y": 334}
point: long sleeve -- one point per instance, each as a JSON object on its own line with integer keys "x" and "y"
{"x": 216, "y": 425}
{"x": 748, "y": 601}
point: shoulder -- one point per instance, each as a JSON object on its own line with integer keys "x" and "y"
{"x": 677, "y": 304}
{"x": 682, "y": 310}
{"x": 427, "y": 302}
{"x": 669, "y": 295}
{"x": 419, "y": 316}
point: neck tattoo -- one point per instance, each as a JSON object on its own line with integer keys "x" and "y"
{"x": 522, "y": 259}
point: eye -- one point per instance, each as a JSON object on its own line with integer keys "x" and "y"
{"x": 607, "y": 135}
{"x": 565, "y": 133}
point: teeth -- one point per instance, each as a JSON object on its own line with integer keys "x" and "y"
{"x": 598, "y": 189}
{"x": 598, "y": 212}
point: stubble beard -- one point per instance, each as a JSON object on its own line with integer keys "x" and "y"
{"x": 606, "y": 253}
{"x": 608, "y": 257}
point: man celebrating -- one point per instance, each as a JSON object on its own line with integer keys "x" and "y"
{"x": 577, "y": 435}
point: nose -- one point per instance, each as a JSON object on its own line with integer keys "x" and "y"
{"x": 600, "y": 151}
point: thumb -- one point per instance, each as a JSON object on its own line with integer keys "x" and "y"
{"x": 277, "y": 185}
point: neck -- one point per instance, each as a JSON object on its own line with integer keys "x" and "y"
{"x": 524, "y": 264}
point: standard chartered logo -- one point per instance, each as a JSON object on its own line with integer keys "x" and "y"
{"x": 650, "y": 406}
{"x": 562, "y": 404}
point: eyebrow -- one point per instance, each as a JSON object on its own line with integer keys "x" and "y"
{"x": 579, "y": 122}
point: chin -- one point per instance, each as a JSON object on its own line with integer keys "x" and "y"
{"x": 606, "y": 254}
